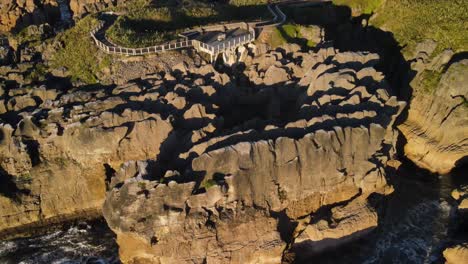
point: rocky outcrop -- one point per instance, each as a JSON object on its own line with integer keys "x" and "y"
{"x": 82, "y": 7}
{"x": 436, "y": 128}
{"x": 254, "y": 158}
{"x": 456, "y": 254}
{"x": 57, "y": 147}
{"x": 18, "y": 14}
{"x": 349, "y": 222}
{"x": 461, "y": 195}
{"x": 21, "y": 13}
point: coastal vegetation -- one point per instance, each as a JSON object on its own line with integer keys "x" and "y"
{"x": 146, "y": 23}
{"x": 412, "y": 21}
{"x": 360, "y": 6}
{"x": 293, "y": 33}
{"x": 78, "y": 54}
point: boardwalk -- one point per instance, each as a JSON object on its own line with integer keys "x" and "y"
{"x": 212, "y": 40}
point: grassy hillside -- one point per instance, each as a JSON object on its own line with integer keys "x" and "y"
{"x": 412, "y": 21}
{"x": 78, "y": 54}
{"x": 151, "y": 22}
{"x": 360, "y": 6}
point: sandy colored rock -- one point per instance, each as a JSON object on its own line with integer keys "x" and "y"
{"x": 437, "y": 124}
{"x": 457, "y": 254}
{"x": 241, "y": 171}
{"x": 349, "y": 222}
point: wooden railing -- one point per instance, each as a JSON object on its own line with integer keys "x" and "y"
{"x": 212, "y": 49}
{"x": 110, "y": 49}
{"x": 278, "y": 19}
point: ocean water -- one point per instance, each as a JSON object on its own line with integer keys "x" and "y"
{"x": 84, "y": 243}
{"x": 416, "y": 223}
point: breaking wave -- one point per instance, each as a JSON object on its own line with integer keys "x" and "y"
{"x": 83, "y": 243}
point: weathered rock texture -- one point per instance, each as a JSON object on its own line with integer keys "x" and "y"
{"x": 253, "y": 157}
{"x": 57, "y": 146}
{"x": 16, "y": 14}
{"x": 82, "y": 7}
{"x": 19, "y": 13}
{"x": 456, "y": 254}
{"x": 436, "y": 129}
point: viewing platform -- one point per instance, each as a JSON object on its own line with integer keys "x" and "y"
{"x": 212, "y": 40}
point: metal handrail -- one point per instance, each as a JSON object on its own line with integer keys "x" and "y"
{"x": 136, "y": 51}
{"x": 278, "y": 18}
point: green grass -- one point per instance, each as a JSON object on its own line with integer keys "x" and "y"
{"x": 360, "y": 6}
{"x": 412, "y": 21}
{"x": 291, "y": 30}
{"x": 208, "y": 184}
{"x": 24, "y": 178}
{"x": 149, "y": 23}
{"x": 290, "y": 33}
{"x": 30, "y": 36}
{"x": 430, "y": 80}
{"x": 37, "y": 73}
{"x": 78, "y": 54}
{"x": 142, "y": 185}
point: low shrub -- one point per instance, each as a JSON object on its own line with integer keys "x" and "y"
{"x": 78, "y": 54}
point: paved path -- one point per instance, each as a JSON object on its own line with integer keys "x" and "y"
{"x": 203, "y": 39}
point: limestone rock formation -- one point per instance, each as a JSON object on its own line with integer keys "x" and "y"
{"x": 348, "y": 222}
{"x": 82, "y": 7}
{"x": 16, "y": 14}
{"x": 461, "y": 195}
{"x": 56, "y": 148}
{"x": 457, "y": 254}
{"x": 269, "y": 149}
{"x": 436, "y": 129}
{"x": 20, "y": 13}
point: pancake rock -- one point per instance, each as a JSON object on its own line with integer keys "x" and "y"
{"x": 58, "y": 146}
{"x": 243, "y": 181}
{"x": 21, "y": 13}
{"x": 436, "y": 129}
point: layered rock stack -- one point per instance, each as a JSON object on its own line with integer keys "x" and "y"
{"x": 257, "y": 159}
{"x": 58, "y": 146}
{"x": 435, "y": 128}
{"x": 19, "y": 13}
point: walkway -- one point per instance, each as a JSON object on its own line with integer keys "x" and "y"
{"x": 212, "y": 40}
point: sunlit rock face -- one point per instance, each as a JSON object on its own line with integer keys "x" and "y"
{"x": 17, "y": 14}
{"x": 254, "y": 156}
{"x": 59, "y": 147}
{"x": 435, "y": 130}
{"x": 83, "y": 7}
{"x": 20, "y": 13}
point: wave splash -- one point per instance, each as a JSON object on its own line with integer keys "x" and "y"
{"x": 83, "y": 243}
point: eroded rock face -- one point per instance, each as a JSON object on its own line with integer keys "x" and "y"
{"x": 16, "y": 14}
{"x": 82, "y": 7}
{"x": 243, "y": 180}
{"x": 58, "y": 147}
{"x": 20, "y": 13}
{"x": 436, "y": 130}
{"x": 456, "y": 254}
